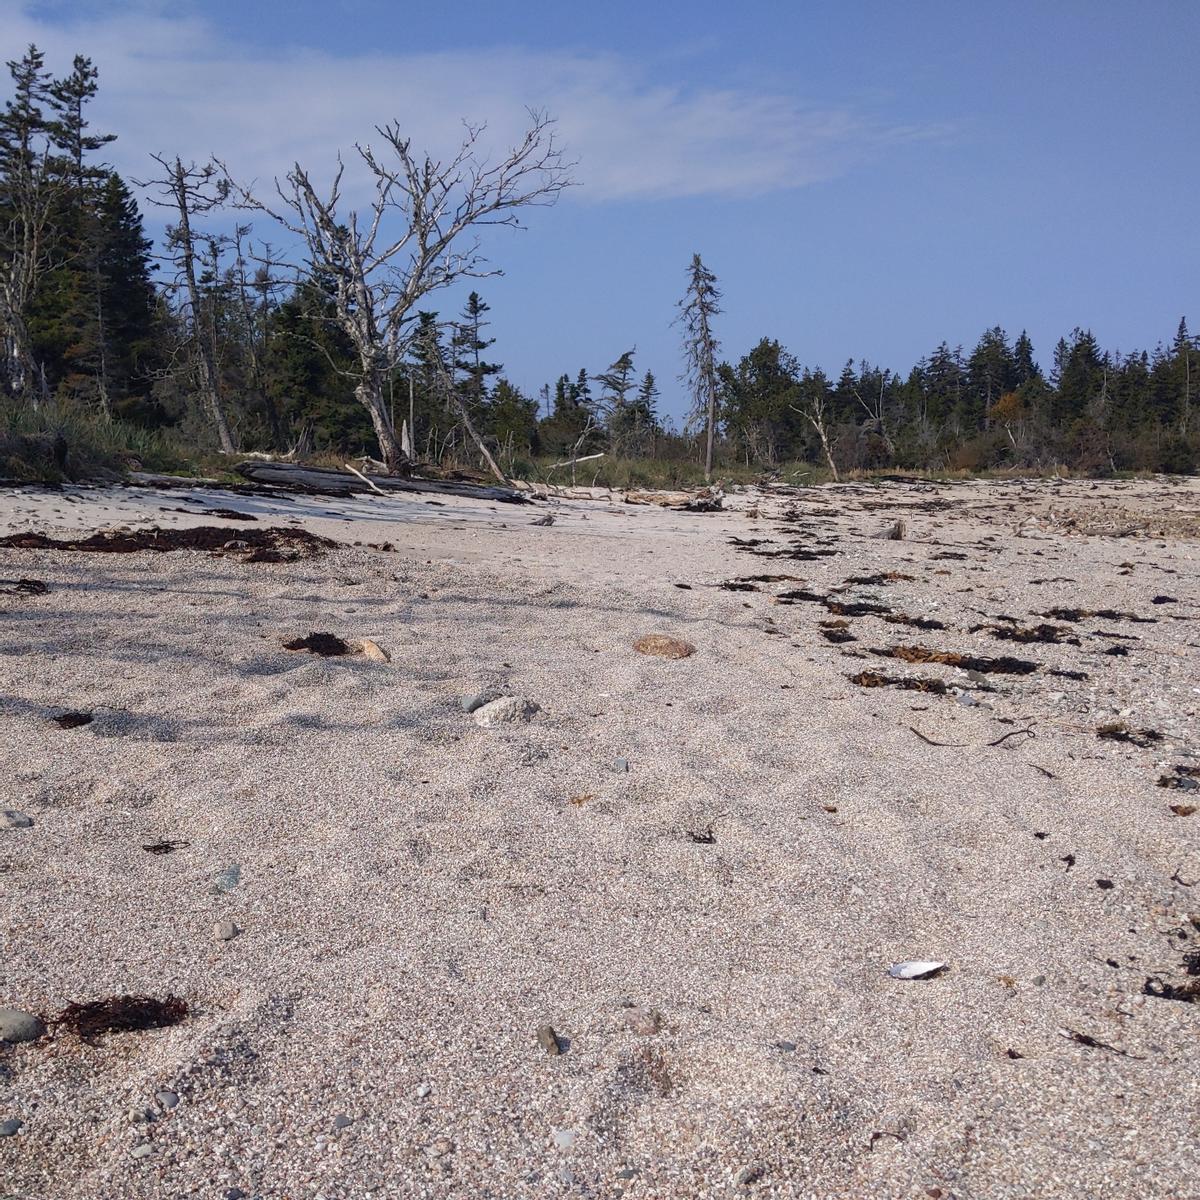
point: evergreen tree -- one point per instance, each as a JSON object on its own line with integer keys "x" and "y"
{"x": 698, "y": 310}
{"x": 468, "y": 345}
{"x": 991, "y": 372}
{"x": 757, "y": 403}
{"x": 30, "y": 187}
{"x": 513, "y": 418}
{"x": 617, "y": 383}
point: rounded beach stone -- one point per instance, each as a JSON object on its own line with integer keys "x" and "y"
{"x": 508, "y": 710}
{"x": 661, "y": 646}
{"x": 18, "y": 1026}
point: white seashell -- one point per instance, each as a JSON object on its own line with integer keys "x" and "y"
{"x": 916, "y": 969}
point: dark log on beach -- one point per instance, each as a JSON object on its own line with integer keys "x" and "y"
{"x": 325, "y": 482}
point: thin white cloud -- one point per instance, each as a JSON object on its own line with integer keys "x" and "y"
{"x": 175, "y": 84}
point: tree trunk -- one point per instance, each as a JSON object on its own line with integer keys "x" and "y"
{"x": 474, "y": 435}
{"x": 712, "y": 420}
{"x": 369, "y": 394}
{"x": 207, "y": 367}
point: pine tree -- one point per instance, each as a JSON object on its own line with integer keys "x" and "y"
{"x": 700, "y": 306}
{"x": 68, "y": 325}
{"x": 468, "y": 345}
{"x": 29, "y": 191}
{"x": 1184, "y": 353}
{"x": 617, "y": 382}
{"x": 991, "y": 373}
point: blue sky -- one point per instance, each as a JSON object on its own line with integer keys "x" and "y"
{"x": 865, "y": 178}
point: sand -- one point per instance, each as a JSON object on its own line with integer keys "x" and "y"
{"x": 418, "y": 894}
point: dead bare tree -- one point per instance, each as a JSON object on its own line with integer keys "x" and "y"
{"x": 813, "y": 411}
{"x": 190, "y": 191}
{"x": 414, "y": 237}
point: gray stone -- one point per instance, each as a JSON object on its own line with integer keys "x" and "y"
{"x": 166, "y": 1099}
{"x": 14, "y": 820}
{"x": 788, "y": 1046}
{"x": 564, "y": 1139}
{"x": 141, "y": 1116}
{"x": 142, "y": 1150}
{"x": 965, "y": 699}
{"x": 11, "y": 1127}
{"x": 234, "y": 1194}
{"x": 629, "y": 1172}
{"x": 18, "y": 1026}
{"x": 621, "y": 766}
{"x": 508, "y": 710}
{"x": 748, "y": 1174}
{"x": 341, "y": 1121}
{"x": 478, "y": 700}
{"x": 423, "y": 1090}
{"x": 225, "y": 931}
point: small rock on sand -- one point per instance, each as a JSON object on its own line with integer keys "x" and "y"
{"x": 225, "y": 931}
{"x": 10, "y": 1127}
{"x": 661, "y": 646}
{"x": 548, "y": 1039}
{"x": 748, "y": 1174}
{"x": 374, "y": 651}
{"x": 166, "y": 1098}
{"x": 645, "y": 1021}
{"x": 14, "y": 820}
{"x": 508, "y": 710}
{"x": 142, "y": 1150}
{"x": 621, "y": 766}
{"x": 478, "y": 700}
{"x": 18, "y": 1026}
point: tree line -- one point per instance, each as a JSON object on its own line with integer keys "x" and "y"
{"x": 218, "y": 337}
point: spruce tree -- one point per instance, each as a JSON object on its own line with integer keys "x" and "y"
{"x": 699, "y": 308}
{"x": 468, "y": 345}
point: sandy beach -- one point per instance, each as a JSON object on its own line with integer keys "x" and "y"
{"x": 697, "y": 871}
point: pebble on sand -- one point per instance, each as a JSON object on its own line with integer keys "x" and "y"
{"x": 225, "y": 931}
{"x": 748, "y": 1174}
{"x": 645, "y": 1021}
{"x": 167, "y": 1099}
{"x": 374, "y": 651}
{"x": 661, "y": 646}
{"x": 14, "y": 820}
{"x": 508, "y": 710}
{"x": 478, "y": 700}
{"x": 18, "y": 1026}
{"x": 548, "y": 1039}
{"x": 11, "y": 1127}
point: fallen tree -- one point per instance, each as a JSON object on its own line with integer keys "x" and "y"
{"x": 323, "y": 481}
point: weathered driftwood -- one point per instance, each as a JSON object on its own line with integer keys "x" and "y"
{"x": 705, "y": 500}
{"x": 325, "y": 482}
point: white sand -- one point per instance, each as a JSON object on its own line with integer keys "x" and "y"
{"x": 419, "y": 894}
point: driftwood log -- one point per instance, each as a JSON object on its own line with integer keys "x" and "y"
{"x": 322, "y": 481}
